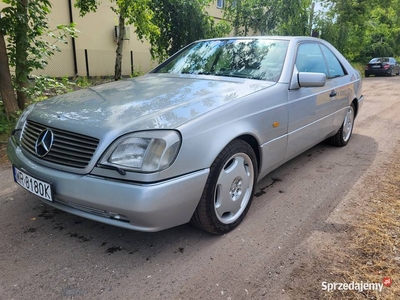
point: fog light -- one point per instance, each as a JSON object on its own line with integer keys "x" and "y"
{"x": 118, "y": 217}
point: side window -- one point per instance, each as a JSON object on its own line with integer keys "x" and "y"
{"x": 310, "y": 59}
{"x": 334, "y": 66}
{"x": 220, "y": 3}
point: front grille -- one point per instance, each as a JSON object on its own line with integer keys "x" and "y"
{"x": 69, "y": 149}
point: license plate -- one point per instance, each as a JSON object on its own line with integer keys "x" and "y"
{"x": 35, "y": 186}
{"x": 376, "y": 66}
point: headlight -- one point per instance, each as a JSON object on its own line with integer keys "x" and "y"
{"x": 145, "y": 151}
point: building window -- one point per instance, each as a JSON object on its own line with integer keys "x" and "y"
{"x": 220, "y": 3}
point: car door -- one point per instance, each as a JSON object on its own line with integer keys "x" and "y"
{"x": 313, "y": 110}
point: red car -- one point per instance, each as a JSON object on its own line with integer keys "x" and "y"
{"x": 382, "y": 66}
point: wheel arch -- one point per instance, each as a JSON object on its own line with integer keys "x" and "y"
{"x": 252, "y": 141}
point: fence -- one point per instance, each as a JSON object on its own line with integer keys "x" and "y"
{"x": 94, "y": 63}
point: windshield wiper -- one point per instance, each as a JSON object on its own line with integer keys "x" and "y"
{"x": 229, "y": 75}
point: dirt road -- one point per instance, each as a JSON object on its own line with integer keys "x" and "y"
{"x": 48, "y": 254}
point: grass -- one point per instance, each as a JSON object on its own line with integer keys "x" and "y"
{"x": 4, "y": 137}
{"x": 373, "y": 250}
{"x": 368, "y": 250}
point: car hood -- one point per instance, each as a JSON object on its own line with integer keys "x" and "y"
{"x": 148, "y": 102}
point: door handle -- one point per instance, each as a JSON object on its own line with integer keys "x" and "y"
{"x": 333, "y": 94}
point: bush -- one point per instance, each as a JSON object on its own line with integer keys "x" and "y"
{"x": 44, "y": 87}
{"x": 359, "y": 66}
{"x": 6, "y": 123}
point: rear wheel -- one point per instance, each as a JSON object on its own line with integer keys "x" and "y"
{"x": 229, "y": 189}
{"x": 342, "y": 137}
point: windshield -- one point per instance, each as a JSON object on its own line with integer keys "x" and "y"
{"x": 250, "y": 58}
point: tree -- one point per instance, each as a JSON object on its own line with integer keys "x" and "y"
{"x": 24, "y": 22}
{"x": 21, "y": 51}
{"x": 381, "y": 33}
{"x": 245, "y": 15}
{"x": 293, "y": 17}
{"x": 362, "y": 29}
{"x": 268, "y": 17}
{"x": 6, "y": 88}
{"x": 136, "y": 12}
{"x": 167, "y": 25}
{"x": 182, "y": 22}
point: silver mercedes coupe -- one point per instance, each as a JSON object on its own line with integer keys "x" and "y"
{"x": 188, "y": 141}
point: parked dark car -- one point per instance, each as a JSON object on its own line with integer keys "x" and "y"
{"x": 382, "y": 66}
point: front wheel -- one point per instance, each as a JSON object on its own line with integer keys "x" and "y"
{"x": 229, "y": 189}
{"x": 342, "y": 137}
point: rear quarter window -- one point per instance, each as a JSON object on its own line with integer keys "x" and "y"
{"x": 335, "y": 68}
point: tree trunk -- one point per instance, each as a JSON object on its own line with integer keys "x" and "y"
{"x": 120, "y": 47}
{"x": 6, "y": 88}
{"x": 21, "y": 55}
{"x": 310, "y": 24}
{"x": 236, "y": 25}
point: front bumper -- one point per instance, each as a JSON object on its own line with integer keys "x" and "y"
{"x": 137, "y": 206}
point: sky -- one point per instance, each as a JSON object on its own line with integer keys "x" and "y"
{"x": 318, "y": 6}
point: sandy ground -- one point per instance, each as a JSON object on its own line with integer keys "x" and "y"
{"x": 48, "y": 254}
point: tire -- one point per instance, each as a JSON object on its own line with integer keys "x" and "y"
{"x": 342, "y": 137}
{"x": 366, "y": 75}
{"x": 229, "y": 189}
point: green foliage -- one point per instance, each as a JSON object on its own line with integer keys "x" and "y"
{"x": 361, "y": 29}
{"x": 44, "y": 87}
{"x": 82, "y": 82}
{"x": 137, "y": 73}
{"x": 246, "y": 15}
{"x": 39, "y": 49}
{"x": 7, "y": 123}
{"x": 86, "y": 6}
{"x": 268, "y": 17}
{"x": 181, "y": 22}
{"x": 168, "y": 25}
{"x": 25, "y": 24}
{"x": 293, "y": 17}
{"x": 135, "y": 12}
{"x": 360, "y": 67}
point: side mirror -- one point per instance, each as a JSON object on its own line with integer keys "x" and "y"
{"x": 306, "y": 79}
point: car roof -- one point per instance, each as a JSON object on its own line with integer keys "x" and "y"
{"x": 382, "y": 57}
{"x": 265, "y": 37}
